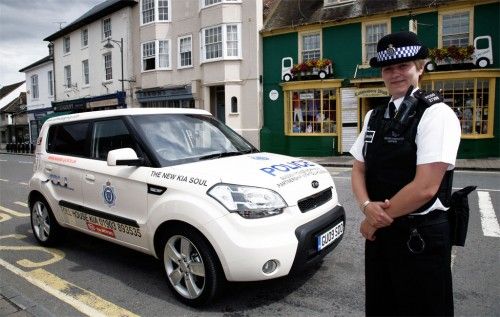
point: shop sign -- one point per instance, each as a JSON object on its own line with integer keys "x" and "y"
{"x": 371, "y": 92}
{"x": 273, "y": 95}
{"x": 306, "y": 96}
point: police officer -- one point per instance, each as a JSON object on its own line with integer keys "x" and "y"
{"x": 401, "y": 177}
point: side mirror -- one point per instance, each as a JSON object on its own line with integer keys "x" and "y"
{"x": 125, "y": 156}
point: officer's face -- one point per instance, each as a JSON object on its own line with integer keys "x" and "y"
{"x": 399, "y": 77}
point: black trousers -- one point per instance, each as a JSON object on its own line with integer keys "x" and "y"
{"x": 400, "y": 282}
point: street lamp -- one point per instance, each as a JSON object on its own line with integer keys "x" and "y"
{"x": 120, "y": 44}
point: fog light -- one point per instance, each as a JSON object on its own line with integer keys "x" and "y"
{"x": 270, "y": 266}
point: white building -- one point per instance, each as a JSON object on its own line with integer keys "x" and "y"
{"x": 88, "y": 76}
{"x": 203, "y": 54}
{"x": 40, "y": 93}
{"x": 190, "y": 53}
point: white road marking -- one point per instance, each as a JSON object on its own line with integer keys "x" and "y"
{"x": 481, "y": 189}
{"x": 3, "y": 160}
{"x": 24, "y": 162}
{"x": 489, "y": 221}
{"x": 3, "y": 180}
{"x": 453, "y": 256}
{"x": 23, "y": 183}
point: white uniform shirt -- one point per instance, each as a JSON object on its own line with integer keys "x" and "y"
{"x": 437, "y": 139}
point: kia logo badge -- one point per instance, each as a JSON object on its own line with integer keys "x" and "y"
{"x": 315, "y": 184}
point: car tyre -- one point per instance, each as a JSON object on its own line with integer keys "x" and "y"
{"x": 322, "y": 74}
{"x": 191, "y": 266}
{"x": 46, "y": 229}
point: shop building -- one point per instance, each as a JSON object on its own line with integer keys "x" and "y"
{"x": 313, "y": 114}
{"x": 93, "y": 60}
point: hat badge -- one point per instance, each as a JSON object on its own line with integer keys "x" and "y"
{"x": 390, "y": 50}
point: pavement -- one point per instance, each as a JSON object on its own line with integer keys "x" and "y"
{"x": 481, "y": 164}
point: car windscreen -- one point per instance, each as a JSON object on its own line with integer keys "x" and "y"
{"x": 182, "y": 138}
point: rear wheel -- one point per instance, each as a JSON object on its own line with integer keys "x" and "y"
{"x": 45, "y": 227}
{"x": 322, "y": 74}
{"x": 191, "y": 266}
{"x": 482, "y": 62}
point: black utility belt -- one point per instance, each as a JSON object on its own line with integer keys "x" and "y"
{"x": 432, "y": 218}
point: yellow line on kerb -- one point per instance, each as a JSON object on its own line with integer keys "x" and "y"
{"x": 82, "y": 300}
{"x": 14, "y": 213}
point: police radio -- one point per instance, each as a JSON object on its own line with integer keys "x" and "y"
{"x": 405, "y": 112}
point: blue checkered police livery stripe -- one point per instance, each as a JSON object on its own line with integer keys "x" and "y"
{"x": 398, "y": 52}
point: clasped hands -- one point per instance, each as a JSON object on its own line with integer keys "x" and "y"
{"x": 376, "y": 217}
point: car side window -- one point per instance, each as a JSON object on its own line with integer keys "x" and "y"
{"x": 68, "y": 139}
{"x": 110, "y": 135}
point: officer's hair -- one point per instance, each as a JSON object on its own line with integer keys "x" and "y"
{"x": 419, "y": 64}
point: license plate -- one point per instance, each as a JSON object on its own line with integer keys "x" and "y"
{"x": 330, "y": 236}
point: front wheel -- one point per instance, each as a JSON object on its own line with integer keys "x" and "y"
{"x": 191, "y": 266}
{"x": 43, "y": 223}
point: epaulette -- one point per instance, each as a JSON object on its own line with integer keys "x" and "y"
{"x": 428, "y": 98}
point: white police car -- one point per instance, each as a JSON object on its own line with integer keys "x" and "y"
{"x": 183, "y": 187}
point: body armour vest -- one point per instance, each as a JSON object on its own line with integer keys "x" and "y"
{"x": 390, "y": 153}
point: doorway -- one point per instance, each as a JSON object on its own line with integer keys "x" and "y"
{"x": 217, "y": 103}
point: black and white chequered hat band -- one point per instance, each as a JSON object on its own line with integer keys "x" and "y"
{"x": 392, "y": 53}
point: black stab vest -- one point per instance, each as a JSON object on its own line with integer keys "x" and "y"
{"x": 391, "y": 156}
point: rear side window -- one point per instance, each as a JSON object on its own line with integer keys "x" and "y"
{"x": 68, "y": 139}
{"x": 110, "y": 135}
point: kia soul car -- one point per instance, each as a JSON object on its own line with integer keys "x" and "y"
{"x": 183, "y": 187}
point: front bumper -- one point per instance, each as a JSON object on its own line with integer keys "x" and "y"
{"x": 243, "y": 246}
{"x": 307, "y": 255}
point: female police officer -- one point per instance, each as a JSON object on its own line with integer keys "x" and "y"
{"x": 402, "y": 177}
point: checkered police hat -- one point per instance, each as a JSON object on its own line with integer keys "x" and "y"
{"x": 397, "y": 48}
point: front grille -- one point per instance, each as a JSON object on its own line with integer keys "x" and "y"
{"x": 315, "y": 200}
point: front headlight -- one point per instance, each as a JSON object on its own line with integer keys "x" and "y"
{"x": 248, "y": 202}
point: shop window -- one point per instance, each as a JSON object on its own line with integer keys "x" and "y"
{"x": 311, "y": 111}
{"x": 472, "y": 102}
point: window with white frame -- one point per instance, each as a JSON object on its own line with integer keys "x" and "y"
{"x": 311, "y": 46}
{"x": 85, "y": 37}
{"x": 232, "y": 40}
{"x": 156, "y": 55}
{"x": 34, "y": 87}
{"x": 66, "y": 45}
{"x": 155, "y": 10}
{"x": 148, "y": 56}
{"x": 50, "y": 83}
{"x": 212, "y": 42}
{"x": 372, "y": 34}
{"x": 163, "y": 54}
{"x": 67, "y": 76}
{"x": 163, "y": 6}
{"x": 106, "y": 28}
{"x": 185, "y": 51}
{"x": 148, "y": 11}
{"x": 221, "y": 42}
{"x": 208, "y": 3}
{"x": 455, "y": 29}
{"x": 108, "y": 69}
{"x": 85, "y": 72}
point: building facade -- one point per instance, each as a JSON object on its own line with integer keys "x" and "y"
{"x": 88, "y": 57}
{"x": 40, "y": 93}
{"x": 307, "y": 115}
{"x": 13, "y": 124}
{"x": 203, "y": 54}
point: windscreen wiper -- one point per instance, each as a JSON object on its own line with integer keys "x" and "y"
{"x": 222, "y": 154}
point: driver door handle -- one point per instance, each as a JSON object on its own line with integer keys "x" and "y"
{"x": 89, "y": 177}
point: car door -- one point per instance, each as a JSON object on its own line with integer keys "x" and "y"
{"x": 115, "y": 196}
{"x": 63, "y": 165}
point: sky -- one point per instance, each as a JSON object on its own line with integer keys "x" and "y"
{"x": 23, "y": 26}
